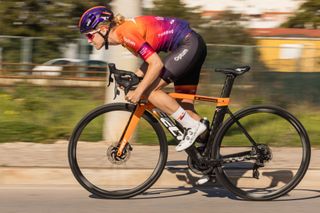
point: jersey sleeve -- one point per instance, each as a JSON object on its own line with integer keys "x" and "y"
{"x": 132, "y": 40}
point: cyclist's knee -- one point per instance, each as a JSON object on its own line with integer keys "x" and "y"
{"x": 150, "y": 94}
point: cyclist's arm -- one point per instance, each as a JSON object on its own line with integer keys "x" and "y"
{"x": 133, "y": 41}
{"x": 153, "y": 72}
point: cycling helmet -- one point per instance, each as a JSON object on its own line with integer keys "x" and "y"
{"x": 94, "y": 16}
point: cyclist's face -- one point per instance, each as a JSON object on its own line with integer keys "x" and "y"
{"x": 95, "y": 39}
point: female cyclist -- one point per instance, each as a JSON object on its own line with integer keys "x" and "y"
{"x": 146, "y": 36}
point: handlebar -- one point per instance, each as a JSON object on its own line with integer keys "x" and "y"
{"x": 125, "y": 79}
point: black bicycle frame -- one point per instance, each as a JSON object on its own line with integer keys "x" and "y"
{"x": 217, "y": 121}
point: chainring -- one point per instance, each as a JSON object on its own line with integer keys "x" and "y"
{"x": 198, "y": 169}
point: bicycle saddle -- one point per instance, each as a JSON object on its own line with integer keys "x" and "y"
{"x": 234, "y": 71}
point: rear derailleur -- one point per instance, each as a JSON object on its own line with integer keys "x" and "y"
{"x": 263, "y": 154}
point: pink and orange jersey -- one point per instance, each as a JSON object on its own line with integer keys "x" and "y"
{"x": 145, "y": 35}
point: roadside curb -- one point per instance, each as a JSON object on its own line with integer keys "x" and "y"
{"x": 36, "y": 164}
{"x": 63, "y": 176}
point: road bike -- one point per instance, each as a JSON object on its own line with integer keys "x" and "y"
{"x": 119, "y": 150}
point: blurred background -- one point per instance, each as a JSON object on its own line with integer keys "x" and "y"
{"x": 50, "y": 76}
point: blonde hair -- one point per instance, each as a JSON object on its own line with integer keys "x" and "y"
{"x": 119, "y": 19}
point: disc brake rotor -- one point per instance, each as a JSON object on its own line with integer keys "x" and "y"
{"x": 118, "y": 160}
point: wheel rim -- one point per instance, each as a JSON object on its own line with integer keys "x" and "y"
{"x": 89, "y": 156}
{"x": 290, "y": 154}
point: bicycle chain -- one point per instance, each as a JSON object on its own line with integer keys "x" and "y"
{"x": 238, "y": 159}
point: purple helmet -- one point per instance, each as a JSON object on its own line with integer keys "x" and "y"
{"x": 93, "y": 16}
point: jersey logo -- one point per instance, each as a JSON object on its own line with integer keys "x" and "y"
{"x": 166, "y": 33}
{"x": 129, "y": 42}
{"x": 159, "y": 18}
{"x": 180, "y": 56}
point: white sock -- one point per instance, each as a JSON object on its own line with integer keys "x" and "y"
{"x": 184, "y": 118}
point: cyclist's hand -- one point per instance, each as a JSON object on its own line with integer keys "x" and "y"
{"x": 133, "y": 96}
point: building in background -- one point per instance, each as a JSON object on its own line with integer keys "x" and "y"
{"x": 288, "y": 49}
{"x": 255, "y": 14}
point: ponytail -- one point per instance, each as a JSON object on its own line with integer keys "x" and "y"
{"x": 119, "y": 19}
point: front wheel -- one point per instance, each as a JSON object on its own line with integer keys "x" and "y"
{"x": 93, "y": 149}
{"x": 264, "y": 153}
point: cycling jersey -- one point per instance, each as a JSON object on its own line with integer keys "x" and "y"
{"x": 183, "y": 65}
{"x": 145, "y": 35}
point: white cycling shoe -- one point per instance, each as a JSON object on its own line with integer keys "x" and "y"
{"x": 190, "y": 136}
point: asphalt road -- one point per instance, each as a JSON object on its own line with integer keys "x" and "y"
{"x": 74, "y": 199}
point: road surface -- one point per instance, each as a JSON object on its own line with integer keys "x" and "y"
{"x": 74, "y": 199}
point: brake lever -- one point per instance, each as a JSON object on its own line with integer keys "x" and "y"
{"x": 110, "y": 79}
{"x": 116, "y": 92}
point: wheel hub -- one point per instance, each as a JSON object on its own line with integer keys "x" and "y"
{"x": 118, "y": 160}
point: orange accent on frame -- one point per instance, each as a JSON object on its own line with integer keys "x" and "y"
{"x": 182, "y": 96}
{"x": 219, "y": 101}
{"x": 131, "y": 127}
{"x": 223, "y": 102}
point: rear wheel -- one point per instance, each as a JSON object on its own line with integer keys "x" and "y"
{"x": 93, "y": 146}
{"x": 265, "y": 153}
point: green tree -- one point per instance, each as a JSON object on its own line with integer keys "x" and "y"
{"x": 57, "y": 19}
{"x": 54, "y": 21}
{"x": 224, "y": 33}
{"x": 176, "y": 8}
{"x": 307, "y": 16}
{"x": 228, "y": 30}
{"x": 228, "y": 35}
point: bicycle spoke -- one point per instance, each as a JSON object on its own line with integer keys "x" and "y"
{"x": 277, "y": 161}
{"x": 245, "y": 132}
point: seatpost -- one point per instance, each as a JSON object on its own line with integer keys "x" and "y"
{"x": 227, "y": 87}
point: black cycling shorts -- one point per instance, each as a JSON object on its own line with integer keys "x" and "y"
{"x": 183, "y": 65}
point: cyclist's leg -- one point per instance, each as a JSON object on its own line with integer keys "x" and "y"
{"x": 161, "y": 99}
{"x": 187, "y": 69}
{"x": 182, "y": 67}
{"x": 170, "y": 106}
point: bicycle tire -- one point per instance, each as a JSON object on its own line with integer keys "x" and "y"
{"x": 82, "y": 174}
{"x": 236, "y": 183}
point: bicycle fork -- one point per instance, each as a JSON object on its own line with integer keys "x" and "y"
{"x": 166, "y": 121}
{"x": 134, "y": 119}
{"x": 131, "y": 126}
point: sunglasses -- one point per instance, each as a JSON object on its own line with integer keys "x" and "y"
{"x": 90, "y": 35}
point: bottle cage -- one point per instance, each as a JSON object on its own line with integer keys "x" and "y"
{"x": 123, "y": 79}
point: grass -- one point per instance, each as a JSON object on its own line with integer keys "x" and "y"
{"x": 47, "y": 114}
{"x": 35, "y": 114}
